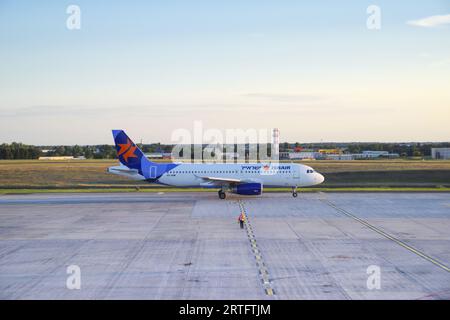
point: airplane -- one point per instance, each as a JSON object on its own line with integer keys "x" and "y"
{"x": 238, "y": 178}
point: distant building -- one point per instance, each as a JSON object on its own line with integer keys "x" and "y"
{"x": 375, "y": 154}
{"x": 303, "y": 155}
{"x": 154, "y": 155}
{"x": 370, "y": 154}
{"x": 330, "y": 151}
{"x": 340, "y": 157}
{"x": 57, "y": 158}
{"x": 327, "y": 154}
{"x": 284, "y": 155}
{"x": 440, "y": 153}
{"x": 159, "y": 155}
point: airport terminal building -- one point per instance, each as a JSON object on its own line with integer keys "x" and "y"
{"x": 440, "y": 153}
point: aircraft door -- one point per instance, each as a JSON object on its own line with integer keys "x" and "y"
{"x": 296, "y": 173}
{"x": 152, "y": 172}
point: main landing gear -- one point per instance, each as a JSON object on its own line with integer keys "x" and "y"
{"x": 294, "y": 192}
{"x": 222, "y": 194}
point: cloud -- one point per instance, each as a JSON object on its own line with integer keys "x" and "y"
{"x": 296, "y": 98}
{"x": 83, "y": 111}
{"x": 441, "y": 63}
{"x": 432, "y": 21}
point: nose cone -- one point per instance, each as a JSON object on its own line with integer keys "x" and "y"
{"x": 319, "y": 178}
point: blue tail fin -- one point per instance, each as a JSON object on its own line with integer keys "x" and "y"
{"x": 128, "y": 153}
{"x": 132, "y": 157}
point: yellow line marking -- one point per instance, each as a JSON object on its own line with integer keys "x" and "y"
{"x": 269, "y": 292}
{"x": 388, "y": 236}
{"x": 262, "y": 270}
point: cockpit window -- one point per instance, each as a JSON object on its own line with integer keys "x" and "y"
{"x": 309, "y": 171}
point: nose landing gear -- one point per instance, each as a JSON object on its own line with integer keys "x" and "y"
{"x": 294, "y": 192}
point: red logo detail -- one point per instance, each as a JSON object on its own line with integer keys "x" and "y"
{"x": 126, "y": 150}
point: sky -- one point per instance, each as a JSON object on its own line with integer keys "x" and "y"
{"x": 313, "y": 69}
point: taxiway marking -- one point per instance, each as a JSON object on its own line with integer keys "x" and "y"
{"x": 262, "y": 269}
{"x": 387, "y": 235}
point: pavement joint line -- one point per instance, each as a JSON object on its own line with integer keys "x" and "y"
{"x": 262, "y": 269}
{"x": 388, "y": 236}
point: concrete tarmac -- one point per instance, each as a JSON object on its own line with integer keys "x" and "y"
{"x": 188, "y": 245}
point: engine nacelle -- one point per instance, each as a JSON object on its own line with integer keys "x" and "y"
{"x": 248, "y": 189}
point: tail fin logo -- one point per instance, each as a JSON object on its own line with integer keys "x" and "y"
{"x": 127, "y": 150}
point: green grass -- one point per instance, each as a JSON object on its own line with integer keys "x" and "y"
{"x": 81, "y": 175}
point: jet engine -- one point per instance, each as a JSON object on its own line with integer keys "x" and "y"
{"x": 248, "y": 189}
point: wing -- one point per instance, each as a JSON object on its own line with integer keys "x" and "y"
{"x": 217, "y": 181}
{"x": 222, "y": 180}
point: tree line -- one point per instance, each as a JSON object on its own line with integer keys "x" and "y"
{"x": 17, "y": 150}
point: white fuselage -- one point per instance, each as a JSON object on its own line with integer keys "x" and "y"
{"x": 269, "y": 175}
